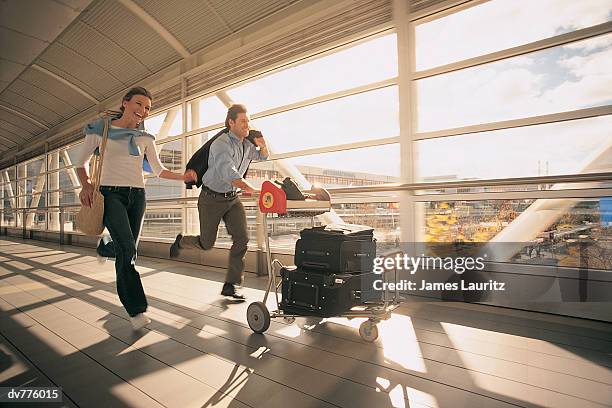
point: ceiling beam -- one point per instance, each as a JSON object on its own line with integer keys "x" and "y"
{"x": 219, "y": 17}
{"x": 65, "y": 82}
{"x": 156, "y": 26}
{"x": 24, "y": 116}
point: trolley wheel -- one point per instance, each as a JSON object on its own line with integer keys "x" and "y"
{"x": 258, "y": 317}
{"x": 368, "y": 331}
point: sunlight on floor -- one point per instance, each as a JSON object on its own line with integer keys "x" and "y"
{"x": 259, "y": 352}
{"x": 291, "y": 330}
{"x": 400, "y": 343}
{"x": 57, "y": 279}
{"x": 421, "y": 397}
{"x": 401, "y": 398}
{"x": 19, "y": 265}
{"x": 397, "y": 338}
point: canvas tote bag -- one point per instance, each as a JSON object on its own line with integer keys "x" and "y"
{"x": 90, "y": 219}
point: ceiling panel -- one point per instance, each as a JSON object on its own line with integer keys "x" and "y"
{"x": 8, "y": 138}
{"x": 83, "y": 73}
{"x": 43, "y": 20}
{"x": 56, "y": 88}
{"x": 238, "y": 16}
{"x": 40, "y": 96}
{"x": 9, "y": 70}
{"x": 19, "y": 133}
{"x": 130, "y": 33}
{"x": 27, "y": 27}
{"x": 30, "y": 107}
{"x": 18, "y": 47}
{"x": 19, "y": 122}
{"x": 192, "y": 22}
{"x": 97, "y": 48}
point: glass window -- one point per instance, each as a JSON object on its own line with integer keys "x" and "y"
{"x": 66, "y": 157}
{"x": 34, "y": 167}
{"x": 365, "y": 116}
{"x": 579, "y": 146}
{"x": 68, "y": 197}
{"x": 161, "y": 188}
{"x": 356, "y": 167}
{"x": 574, "y": 76}
{"x": 6, "y": 196}
{"x": 162, "y": 223}
{"x": 166, "y": 124}
{"x": 570, "y": 232}
{"x": 371, "y": 61}
{"x": 194, "y": 142}
{"x": 32, "y": 185}
{"x": 11, "y": 173}
{"x": 29, "y": 169}
{"x": 36, "y": 220}
{"x": 208, "y": 111}
{"x": 65, "y": 179}
{"x": 8, "y": 219}
{"x": 34, "y": 200}
{"x": 382, "y": 216}
{"x": 171, "y": 155}
{"x": 502, "y": 24}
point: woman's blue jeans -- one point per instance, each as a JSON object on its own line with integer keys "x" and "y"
{"x": 124, "y": 209}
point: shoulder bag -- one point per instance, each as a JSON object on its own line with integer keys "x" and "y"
{"x": 90, "y": 219}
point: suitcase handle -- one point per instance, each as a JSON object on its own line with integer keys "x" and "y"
{"x": 316, "y": 265}
{"x": 319, "y": 253}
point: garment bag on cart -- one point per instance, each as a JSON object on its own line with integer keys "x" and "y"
{"x": 336, "y": 248}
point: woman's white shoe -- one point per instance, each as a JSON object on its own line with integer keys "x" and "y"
{"x": 139, "y": 321}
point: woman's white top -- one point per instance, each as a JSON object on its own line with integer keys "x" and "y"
{"x": 119, "y": 167}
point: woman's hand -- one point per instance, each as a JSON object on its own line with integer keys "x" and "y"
{"x": 170, "y": 175}
{"x": 86, "y": 195}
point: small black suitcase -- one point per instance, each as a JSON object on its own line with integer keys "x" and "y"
{"x": 336, "y": 248}
{"x": 313, "y": 293}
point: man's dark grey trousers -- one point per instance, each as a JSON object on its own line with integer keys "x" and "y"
{"x": 212, "y": 208}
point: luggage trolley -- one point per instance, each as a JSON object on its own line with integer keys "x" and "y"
{"x": 272, "y": 200}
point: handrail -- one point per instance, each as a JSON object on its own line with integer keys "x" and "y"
{"x": 575, "y": 178}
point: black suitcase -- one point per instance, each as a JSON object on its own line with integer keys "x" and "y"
{"x": 336, "y": 248}
{"x": 313, "y": 293}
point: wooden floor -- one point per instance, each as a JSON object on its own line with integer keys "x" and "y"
{"x": 62, "y": 325}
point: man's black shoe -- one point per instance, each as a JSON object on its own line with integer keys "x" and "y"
{"x": 229, "y": 290}
{"x": 174, "y": 248}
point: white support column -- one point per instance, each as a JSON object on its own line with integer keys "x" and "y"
{"x": 9, "y": 189}
{"x": 2, "y": 188}
{"x": 39, "y": 185}
{"x": 168, "y": 121}
{"x": 21, "y": 198}
{"x": 410, "y": 221}
{"x": 74, "y": 179}
{"x": 544, "y": 212}
{"x": 192, "y": 144}
{"x": 54, "y": 197}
